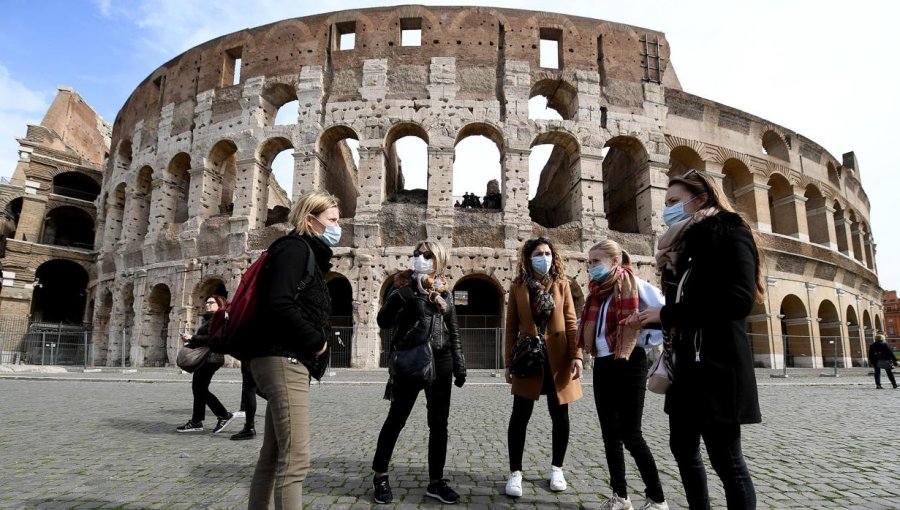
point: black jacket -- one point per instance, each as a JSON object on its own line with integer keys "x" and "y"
{"x": 879, "y": 351}
{"x": 415, "y": 319}
{"x": 717, "y": 298}
{"x": 289, "y": 323}
{"x": 201, "y": 338}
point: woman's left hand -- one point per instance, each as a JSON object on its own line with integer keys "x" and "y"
{"x": 577, "y": 368}
{"x": 649, "y": 315}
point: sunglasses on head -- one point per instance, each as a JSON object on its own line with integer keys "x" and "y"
{"x": 427, "y": 254}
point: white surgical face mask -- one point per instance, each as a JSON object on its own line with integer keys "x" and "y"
{"x": 541, "y": 264}
{"x": 422, "y": 265}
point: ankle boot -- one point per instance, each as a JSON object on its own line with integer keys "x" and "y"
{"x": 248, "y": 432}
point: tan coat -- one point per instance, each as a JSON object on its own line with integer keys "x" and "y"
{"x": 560, "y": 340}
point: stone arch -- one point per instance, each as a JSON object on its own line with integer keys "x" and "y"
{"x": 205, "y": 288}
{"x": 830, "y": 337}
{"x": 781, "y": 205}
{"x": 479, "y": 309}
{"x": 141, "y": 197}
{"x": 834, "y": 175}
{"x": 795, "y": 326}
{"x": 474, "y": 159}
{"x": 275, "y": 202}
{"x": 115, "y": 210}
{"x": 855, "y": 229}
{"x": 879, "y": 326}
{"x": 867, "y": 241}
{"x": 774, "y": 145}
{"x": 841, "y": 226}
{"x": 738, "y": 186}
{"x": 175, "y": 205}
{"x": 123, "y": 159}
{"x": 625, "y": 167}
{"x": 76, "y": 185}
{"x": 155, "y": 331}
{"x": 561, "y": 97}
{"x": 10, "y": 218}
{"x": 858, "y": 351}
{"x": 60, "y": 292}
{"x": 339, "y": 166}
{"x": 816, "y": 216}
{"x": 868, "y": 331}
{"x": 277, "y": 96}
{"x": 100, "y": 334}
{"x": 682, "y": 159}
{"x": 342, "y": 330}
{"x": 395, "y": 181}
{"x": 127, "y": 335}
{"x": 68, "y": 226}
{"x": 222, "y": 162}
{"x": 554, "y": 203}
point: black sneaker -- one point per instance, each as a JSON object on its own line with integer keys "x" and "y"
{"x": 223, "y": 422}
{"x": 245, "y": 433}
{"x": 441, "y": 491}
{"x": 383, "y": 493}
{"x": 190, "y": 427}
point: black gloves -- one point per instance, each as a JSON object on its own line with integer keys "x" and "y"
{"x": 459, "y": 380}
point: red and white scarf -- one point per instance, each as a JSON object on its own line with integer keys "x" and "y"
{"x": 623, "y": 286}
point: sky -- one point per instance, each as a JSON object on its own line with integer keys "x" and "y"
{"x": 823, "y": 69}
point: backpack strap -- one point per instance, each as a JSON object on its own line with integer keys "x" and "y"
{"x": 310, "y": 269}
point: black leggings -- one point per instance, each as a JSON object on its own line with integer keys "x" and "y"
{"x": 518, "y": 426}
{"x": 202, "y": 396}
{"x": 248, "y": 394}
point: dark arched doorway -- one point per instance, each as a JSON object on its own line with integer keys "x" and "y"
{"x": 60, "y": 292}
{"x": 341, "y": 339}
{"x": 479, "y": 308}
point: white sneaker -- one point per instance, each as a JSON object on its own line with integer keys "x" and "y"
{"x": 650, "y": 505}
{"x": 616, "y": 503}
{"x": 514, "y": 484}
{"x": 557, "y": 480}
{"x": 240, "y": 414}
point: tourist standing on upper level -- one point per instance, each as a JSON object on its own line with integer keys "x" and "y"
{"x": 540, "y": 304}
{"x": 711, "y": 269}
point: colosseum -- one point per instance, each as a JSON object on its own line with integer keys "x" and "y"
{"x": 189, "y": 199}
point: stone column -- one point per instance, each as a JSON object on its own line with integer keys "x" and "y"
{"x": 856, "y": 237}
{"x": 760, "y": 200}
{"x": 791, "y": 216}
{"x": 652, "y": 185}
{"x": 162, "y": 206}
{"x": 366, "y": 228}
{"x": 31, "y": 218}
{"x": 252, "y": 192}
{"x": 206, "y": 186}
{"x": 870, "y": 252}
{"x": 843, "y": 237}
{"x": 588, "y": 197}
{"x": 440, "y": 213}
{"x": 514, "y": 185}
{"x": 821, "y": 220}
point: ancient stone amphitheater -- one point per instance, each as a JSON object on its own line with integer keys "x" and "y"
{"x": 188, "y": 198}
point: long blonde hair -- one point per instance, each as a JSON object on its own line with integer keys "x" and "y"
{"x": 313, "y": 203}
{"x": 523, "y": 266}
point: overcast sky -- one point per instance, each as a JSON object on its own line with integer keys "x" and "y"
{"x": 824, "y": 70}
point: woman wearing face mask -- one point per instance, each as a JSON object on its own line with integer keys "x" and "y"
{"x": 620, "y": 367}
{"x": 540, "y": 302}
{"x": 709, "y": 259}
{"x": 292, "y": 326}
{"x": 421, "y": 304}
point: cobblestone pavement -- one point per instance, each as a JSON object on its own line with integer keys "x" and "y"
{"x": 85, "y": 441}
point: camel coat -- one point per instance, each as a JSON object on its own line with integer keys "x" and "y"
{"x": 559, "y": 338}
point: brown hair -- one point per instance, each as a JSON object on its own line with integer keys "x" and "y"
{"x": 523, "y": 266}
{"x": 220, "y": 300}
{"x": 696, "y": 184}
{"x": 611, "y": 249}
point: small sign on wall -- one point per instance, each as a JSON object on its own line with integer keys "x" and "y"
{"x": 461, "y": 297}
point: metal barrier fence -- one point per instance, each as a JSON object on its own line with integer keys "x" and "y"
{"x": 45, "y": 343}
{"x": 801, "y": 351}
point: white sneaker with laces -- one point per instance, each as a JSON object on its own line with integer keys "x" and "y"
{"x": 616, "y": 503}
{"x": 240, "y": 414}
{"x": 557, "y": 480}
{"x": 514, "y": 484}
{"x": 650, "y": 505}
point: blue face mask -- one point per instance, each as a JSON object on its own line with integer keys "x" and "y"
{"x": 332, "y": 234}
{"x": 541, "y": 264}
{"x": 675, "y": 213}
{"x": 598, "y": 273}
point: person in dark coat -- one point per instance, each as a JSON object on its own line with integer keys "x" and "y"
{"x": 882, "y": 357}
{"x": 203, "y": 376}
{"x": 421, "y": 308}
{"x": 711, "y": 274}
{"x": 292, "y": 328}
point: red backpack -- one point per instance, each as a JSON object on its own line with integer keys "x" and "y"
{"x": 228, "y": 327}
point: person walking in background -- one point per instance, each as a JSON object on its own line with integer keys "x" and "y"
{"x": 420, "y": 309}
{"x": 711, "y": 270}
{"x": 619, "y": 347}
{"x": 203, "y": 376}
{"x": 540, "y": 303}
{"x": 881, "y": 357}
{"x": 292, "y": 327}
{"x": 248, "y": 404}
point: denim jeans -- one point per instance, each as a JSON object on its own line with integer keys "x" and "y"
{"x": 284, "y": 455}
{"x": 723, "y": 445}
{"x": 437, "y": 396}
{"x": 619, "y": 388}
{"x": 202, "y": 396}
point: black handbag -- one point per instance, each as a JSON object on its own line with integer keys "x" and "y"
{"x": 415, "y": 364}
{"x": 885, "y": 364}
{"x": 190, "y": 359}
{"x": 528, "y": 356}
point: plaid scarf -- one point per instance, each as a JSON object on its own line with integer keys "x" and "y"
{"x": 622, "y": 284}
{"x": 542, "y": 304}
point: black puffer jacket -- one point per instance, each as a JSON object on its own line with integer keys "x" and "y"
{"x": 414, "y": 319}
{"x": 201, "y": 338}
{"x": 292, "y": 324}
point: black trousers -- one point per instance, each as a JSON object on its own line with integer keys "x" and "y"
{"x": 723, "y": 445}
{"x": 521, "y": 415}
{"x": 202, "y": 396}
{"x": 248, "y": 394}
{"x": 437, "y": 396}
{"x": 890, "y": 373}
{"x": 619, "y": 388}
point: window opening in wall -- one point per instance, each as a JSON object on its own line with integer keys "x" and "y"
{"x": 338, "y": 166}
{"x": 537, "y": 160}
{"x": 552, "y": 99}
{"x": 412, "y": 155}
{"x": 231, "y": 68}
{"x": 410, "y": 31}
{"x": 476, "y": 174}
{"x": 346, "y": 35}
{"x": 406, "y": 165}
{"x": 538, "y": 109}
{"x": 160, "y": 84}
{"x": 551, "y": 41}
{"x": 651, "y": 60}
{"x": 288, "y": 113}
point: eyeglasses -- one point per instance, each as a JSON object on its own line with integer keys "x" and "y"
{"x": 210, "y": 302}
{"x": 427, "y": 254}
